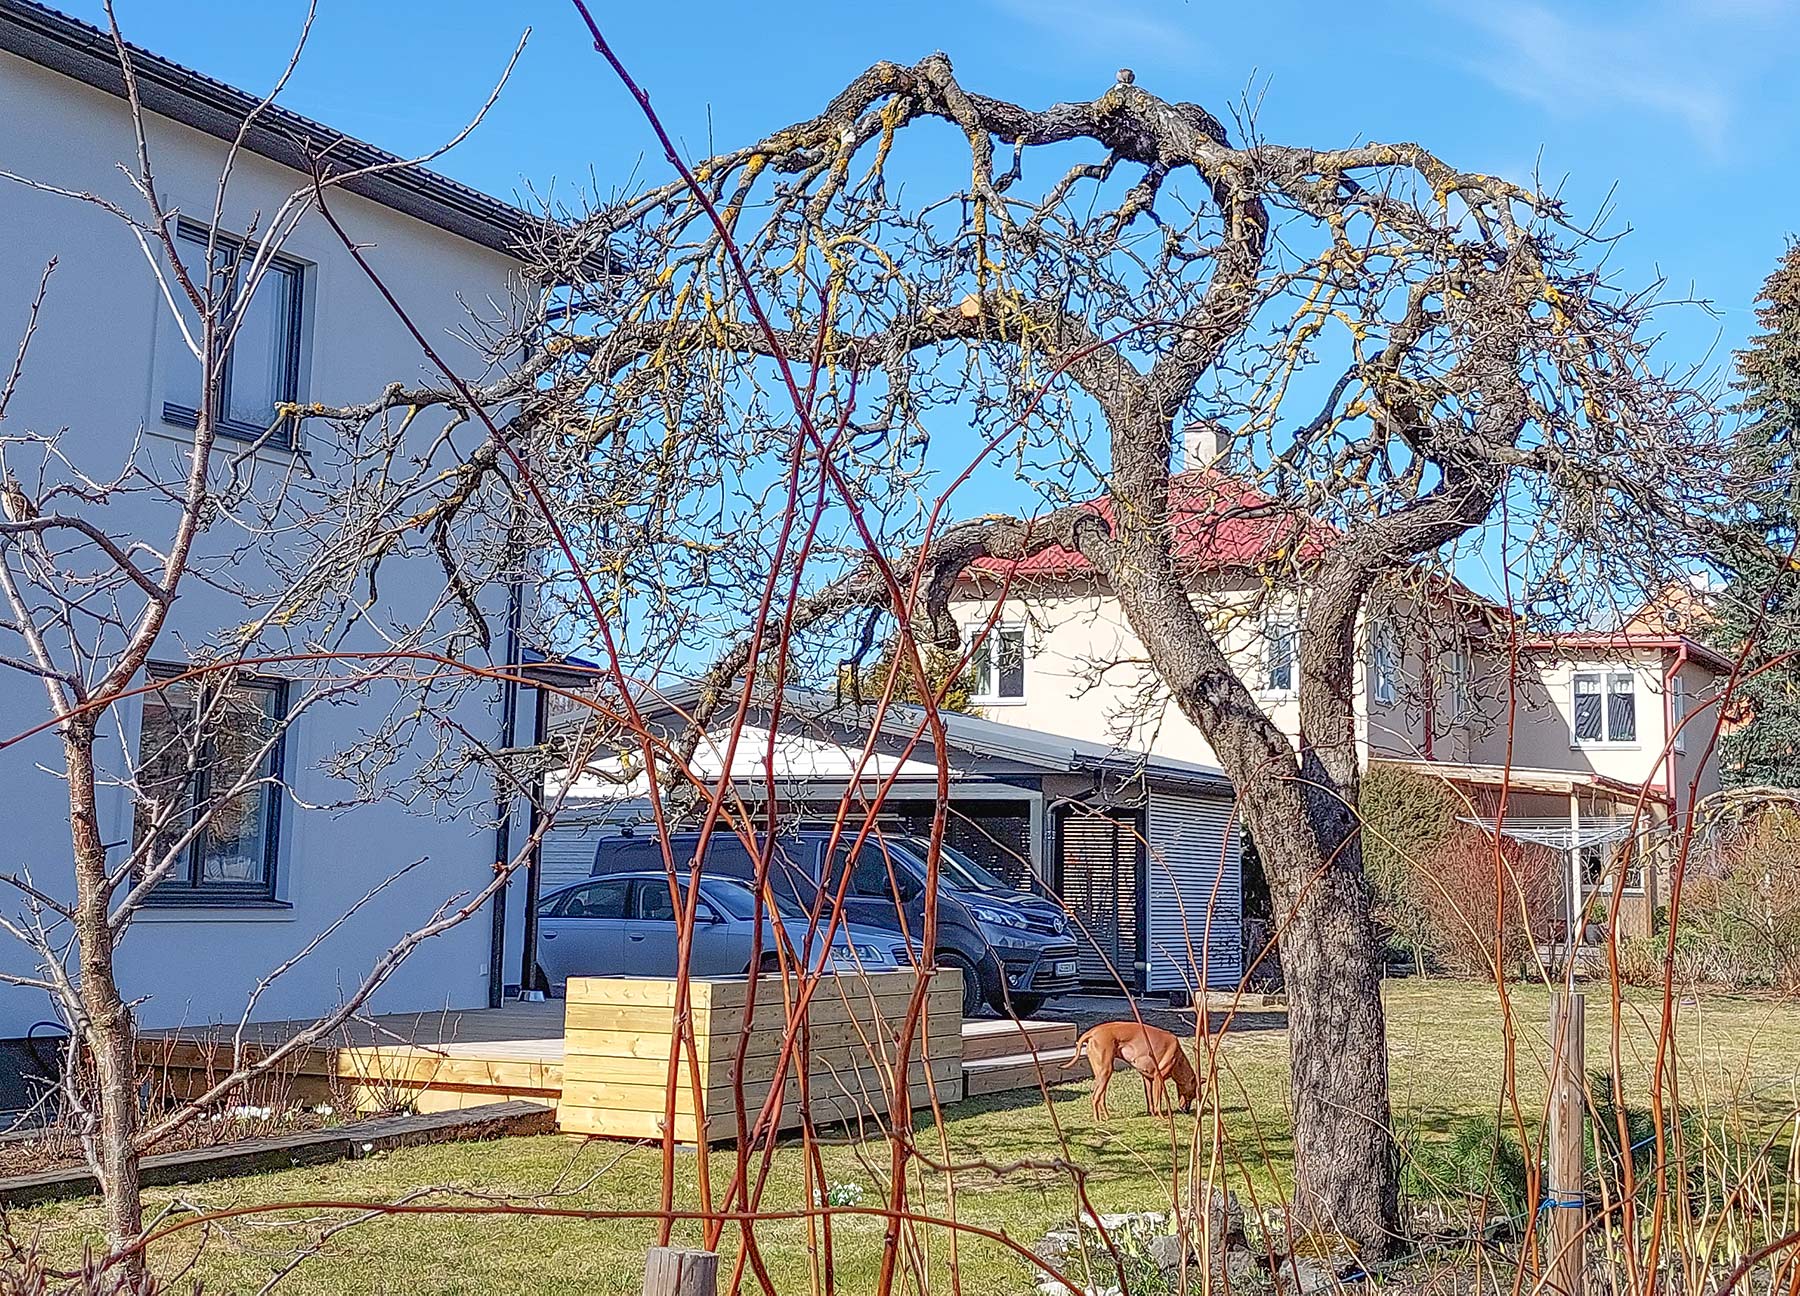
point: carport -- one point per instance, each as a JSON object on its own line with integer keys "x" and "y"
{"x": 1143, "y": 851}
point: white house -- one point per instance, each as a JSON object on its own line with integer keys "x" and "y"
{"x": 107, "y": 369}
{"x": 1579, "y": 731}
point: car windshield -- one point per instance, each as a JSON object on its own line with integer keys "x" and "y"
{"x": 957, "y": 869}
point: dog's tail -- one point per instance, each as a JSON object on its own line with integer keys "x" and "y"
{"x": 1080, "y": 1052}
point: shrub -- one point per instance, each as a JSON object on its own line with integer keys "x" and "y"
{"x": 1739, "y": 922}
{"x": 1467, "y": 918}
{"x": 1405, "y": 818}
{"x": 1478, "y": 1169}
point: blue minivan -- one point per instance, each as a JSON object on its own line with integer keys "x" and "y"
{"x": 1015, "y": 949}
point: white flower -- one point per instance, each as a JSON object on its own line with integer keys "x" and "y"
{"x": 324, "y": 1109}
{"x": 844, "y": 1194}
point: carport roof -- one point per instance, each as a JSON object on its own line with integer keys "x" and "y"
{"x": 977, "y": 736}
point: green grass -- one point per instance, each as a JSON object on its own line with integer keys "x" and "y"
{"x": 1447, "y": 1055}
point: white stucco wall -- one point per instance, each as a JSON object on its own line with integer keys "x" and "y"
{"x": 96, "y": 370}
{"x": 1086, "y": 673}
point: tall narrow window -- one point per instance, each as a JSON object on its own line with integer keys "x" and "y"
{"x": 1605, "y": 707}
{"x": 1000, "y": 665}
{"x": 261, "y": 368}
{"x": 1459, "y": 685}
{"x": 1281, "y": 641}
{"x": 1384, "y": 662}
{"x": 209, "y": 753}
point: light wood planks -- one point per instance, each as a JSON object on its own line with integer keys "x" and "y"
{"x": 620, "y": 1033}
{"x": 446, "y": 1061}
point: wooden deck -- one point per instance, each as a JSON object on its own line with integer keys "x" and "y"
{"x": 437, "y": 1061}
{"x": 446, "y": 1061}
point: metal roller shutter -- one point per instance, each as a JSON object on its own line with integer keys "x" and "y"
{"x": 1195, "y": 886}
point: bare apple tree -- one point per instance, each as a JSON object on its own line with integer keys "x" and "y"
{"x": 1398, "y": 351}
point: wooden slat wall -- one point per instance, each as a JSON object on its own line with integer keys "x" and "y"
{"x": 1099, "y": 882}
{"x": 620, "y": 1031}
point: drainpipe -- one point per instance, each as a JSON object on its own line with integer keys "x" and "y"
{"x": 1431, "y": 687}
{"x": 1669, "y": 780}
{"x": 503, "y": 800}
{"x": 528, "y": 952}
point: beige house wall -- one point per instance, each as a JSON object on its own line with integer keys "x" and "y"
{"x": 1086, "y": 674}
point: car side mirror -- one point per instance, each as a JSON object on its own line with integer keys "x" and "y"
{"x": 705, "y": 913}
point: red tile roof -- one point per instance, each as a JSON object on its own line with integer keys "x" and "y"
{"x": 1214, "y": 524}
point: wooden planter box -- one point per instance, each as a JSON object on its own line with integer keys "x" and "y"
{"x": 619, "y": 1031}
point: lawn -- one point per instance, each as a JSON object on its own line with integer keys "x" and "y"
{"x": 1448, "y": 1051}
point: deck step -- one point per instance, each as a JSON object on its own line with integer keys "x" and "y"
{"x": 1019, "y": 1071}
{"x": 989, "y": 1037}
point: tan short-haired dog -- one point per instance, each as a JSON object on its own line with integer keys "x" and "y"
{"x": 1150, "y": 1051}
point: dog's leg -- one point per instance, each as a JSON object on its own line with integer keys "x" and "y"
{"x": 1102, "y": 1078}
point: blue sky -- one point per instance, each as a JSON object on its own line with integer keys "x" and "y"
{"x": 1676, "y": 116}
{"x": 1683, "y": 113}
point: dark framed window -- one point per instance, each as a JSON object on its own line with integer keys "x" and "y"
{"x": 199, "y": 738}
{"x": 1000, "y": 665}
{"x": 1279, "y": 636}
{"x": 261, "y": 368}
{"x": 1605, "y": 709}
{"x": 1384, "y": 662}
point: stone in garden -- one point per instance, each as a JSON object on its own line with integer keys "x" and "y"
{"x": 1304, "y": 1275}
{"x": 1167, "y": 1253}
{"x": 1245, "y": 1271}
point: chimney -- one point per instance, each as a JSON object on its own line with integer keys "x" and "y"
{"x": 1203, "y": 443}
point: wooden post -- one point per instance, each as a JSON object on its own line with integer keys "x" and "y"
{"x": 677, "y": 1271}
{"x": 1565, "y": 1202}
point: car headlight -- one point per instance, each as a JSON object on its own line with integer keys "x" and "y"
{"x": 996, "y": 916}
{"x": 851, "y": 957}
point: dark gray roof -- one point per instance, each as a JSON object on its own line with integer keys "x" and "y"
{"x": 63, "y": 44}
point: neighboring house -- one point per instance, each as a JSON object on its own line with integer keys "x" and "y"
{"x": 1143, "y": 851}
{"x": 1682, "y": 607}
{"x": 106, "y": 367}
{"x": 1590, "y": 716}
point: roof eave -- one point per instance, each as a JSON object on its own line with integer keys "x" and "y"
{"x": 62, "y": 44}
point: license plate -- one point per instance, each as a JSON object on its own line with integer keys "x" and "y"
{"x": 1065, "y": 968}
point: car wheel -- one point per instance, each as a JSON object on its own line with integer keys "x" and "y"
{"x": 972, "y": 995}
{"x": 1020, "y": 1006}
{"x": 769, "y": 965}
